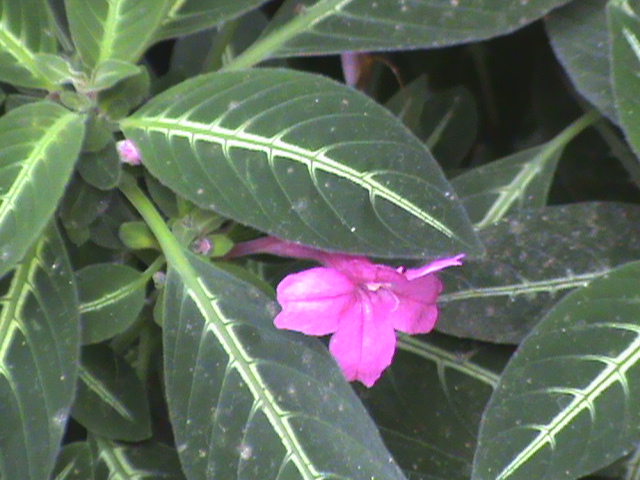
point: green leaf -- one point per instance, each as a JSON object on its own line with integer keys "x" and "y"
{"x": 332, "y": 26}
{"x": 56, "y": 69}
{"x": 428, "y": 404}
{"x": 249, "y": 401}
{"x": 624, "y": 25}
{"x": 101, "y": 169}
{"x": 519, "y": 181}
{"x": 39, "y": 334}
{"x": 111, "y": 401}
{"x": 567, "y": 403}
{"x": 74, "y": 463}
{"x": 39, "y": 144}
{"x": 580, "y": 39}
{"x": 105, "y": 30}
{"x": 119, "y": 100}
{"x": 190, "y": 16}
{"x": 26, "y": 29}
{"x": 304, "y": 158}
{"x": 110, "y": 72}
{"x": 111, "y": 297}
{"x": 82, "y": 204}
{"x": 532, "y": 260}
{"x": 142, "y": 461}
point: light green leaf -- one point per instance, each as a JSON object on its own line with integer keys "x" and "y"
{"x": 249, "y": 401}
{"x": 54, "y": 68}
{"x": 533, "y": 259}
{"x": 104, "y": 30}
{"x": 111, "y": 297}
{"x": 74, "y": 463}
{"x": 110, "y": 72}
{"x": 39, "y": 334}
{"x": 624, "y": 26}
{"x": 322, "y": 27}
{"x": 142, "y": 461}
{"x": 111, "y": 400}
{"x": 580, "y": 39}
{"x": 303, "y": 158}
{"x": 428, "y": 404}
{"x": 567, "y": 403}
{"x": 519, "y": 181}
{"x": 190, "y": 16}
{"x": 39, "y": 144}
{"x": 26, "y": 29}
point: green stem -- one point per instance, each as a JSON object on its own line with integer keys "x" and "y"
{"x": 270, "y": 43}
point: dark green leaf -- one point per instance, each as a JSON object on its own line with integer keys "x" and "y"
{"x": 567, "y": 403}
{"x": 111, "y": 297}
{"x": 303, "y": 158}
{"x": 39, "y": 334}
{"x": 143, "y": 461}
{"x": 334, "y": 26}
{"x": 105, "y": 30}
{"x": 248, "y": 401}
{"x": 428, "y": 404}
{"x": 189, "y": 16}
{"x": 110, "y": 400}
{"x": 82, "y": 204}
{"x": 580, "y": 39}
{"x": 533, "y": 259}
{"x": 74, "y": 463}
{"x": 27, "y": 29}
{"x": 624, "y": 25}
{"x": 104, "y": 231}
{"x": 119, "y": 100}
{"x": 519, "y": 181}
{"x": 39, "y": 144}
{"x": 101, "y": 169}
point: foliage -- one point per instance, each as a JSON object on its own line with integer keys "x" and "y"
{"x": 134, "y": 343}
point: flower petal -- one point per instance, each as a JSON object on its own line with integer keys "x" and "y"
{"x": 412, "y": 273}
{"x": 365, "y": 341}
{"x": 313, "y": 301}
{"x": 416, "y": 310}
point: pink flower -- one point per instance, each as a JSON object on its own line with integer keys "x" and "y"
{"x": 361, "y": 303}
{"x": 128, "y": 152}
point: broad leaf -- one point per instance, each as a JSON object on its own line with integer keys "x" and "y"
{"x": 567, "y": 403}
{"x": 82, "y": 204}
{"x": 190, "y": 16}
{"x": 519, "y": 181}
{"x": 101, "y": 169}
{"x": 39, "y": 334}
{"x": 39, "y": 144}
{"x": 428, "y": 404}
{"x": 111, "y": 400}
{"x": 142, "y": 461}
{"x": 111, "y": 297}
{"x": 532, "y": 260}
{"x": 303, "y": 158}
{"x": 74, "y": 463}
{"x": 580, "y": 39}
{"x": 334, "y": 26}
{"x": 248, "y": 401}
{"x": 26, "y": 29}
{"x": 105, "y": 30}
{"x": 624, "y": 24}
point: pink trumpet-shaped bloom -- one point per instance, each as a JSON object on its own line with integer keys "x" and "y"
{"x": 361, "y": 303}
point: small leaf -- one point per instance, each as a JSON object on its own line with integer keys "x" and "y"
{"x": 343, "y": 172}
{"x": 580, "y": 39}
{"x": 122, "y": 30}
{"x": 124, "y": 96}
{"x": 624, "y": 25}
{"x": 27, "y": 29}
{"x": 519, "y": 181}
{"x": 40, "y": 341}
{"x": 142, "y": 461}
{"x": 74, "y": 463}
{"x": 567, "y": 403}
{"x": 101, "y": 169}
{"x": 533, "y": 259}
{"x": 54, "y": 68}
{"x": 110, "y": 400}
{"x": 109, "y": 72}
{"x": 190, "y": 16}
{"x": 333, "y": 26}
{"x": 39, "y": 144}
{"x": 248, "y": 401}
{"x": 111, "y": 297}
{"x": 429, "y": 403}
{"x": 82, "y": 204}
